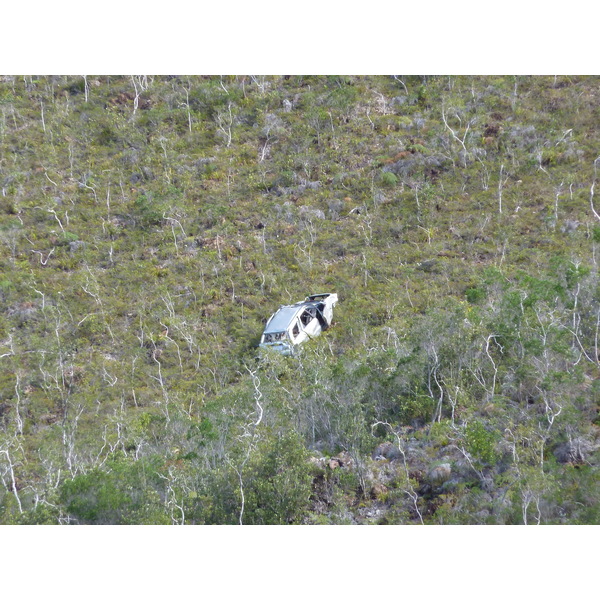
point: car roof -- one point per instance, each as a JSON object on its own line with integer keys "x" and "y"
{"x": 281, "y": 320}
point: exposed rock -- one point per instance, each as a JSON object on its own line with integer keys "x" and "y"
{"x": 147, "y": 173}
{"x": 309, "y": 213}
{"x": 398, "y": 101}
{"x": 343, "y": 460}
{"x": 319, "y": 462}
{"x": 126, "y": 98}
{"x": 409, "y": 163}
{"x": 378, "y": 490}
{"x": 388, "y": 451}
{"x": 357, "y": 210}
{"x": 299, "y": 189}
{"x": 122, "y": 221}
{"x": 311, "y": 185}
{"x": 335, "y": 206}
{"x": 76, "y": 245}
{"x": 439, "y": 474}
{"x": 372, "y": 513}
{"x": 272, "y": 124}
{"x": 569, "y": 226}
{"x": 23, "y": 311}
{"x": 574, "y": 451}
{"x": 202, "y": 162}
{"x": 487, "y": 483}
{"x": 428, "y": 266}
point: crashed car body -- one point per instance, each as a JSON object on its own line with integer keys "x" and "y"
{"x": 293, "y": 324}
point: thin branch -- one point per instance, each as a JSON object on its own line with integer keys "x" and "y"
{"x": 592, "y": 191}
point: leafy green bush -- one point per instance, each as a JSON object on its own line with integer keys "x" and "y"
{"x": 481, "y": 443}
{"x": 388, "y": 179}
{"x": 120, "y": 494}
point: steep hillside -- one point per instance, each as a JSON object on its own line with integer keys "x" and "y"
{"x": 151, "y": 225}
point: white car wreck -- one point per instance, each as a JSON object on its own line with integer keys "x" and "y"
{"x": 293, "y": 324}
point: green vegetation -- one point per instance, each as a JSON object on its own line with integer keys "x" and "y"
{"x": 150, "y": 225}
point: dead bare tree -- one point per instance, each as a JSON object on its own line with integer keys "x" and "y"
{"x": 501, "y": 182}
{"x": 136, "y": 99}
{"x": 592, "y": 191}
{"x": 260, "y": 82}
{"x": 10, "y": 471}
{"x": 171, "y": 499}
{"x": 462, "y": 141}
{"x": 401, "y": 83}
{"x": 225, "y": 123}
{"x": 249, "y": 433}
{"x": 494, "y": 366}
{"x": 42, "y": 116}
{"x": 187, "y": 106}
{"x": 527, "y": 496}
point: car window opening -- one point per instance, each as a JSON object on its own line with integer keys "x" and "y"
{"x": 275, "y": 337}
{"x": 308, "y": 315}
{"x": 319, "y": 314}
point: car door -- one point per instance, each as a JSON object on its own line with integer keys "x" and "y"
{"x": 296, "y": 332}
{"x": 309, "y": 321}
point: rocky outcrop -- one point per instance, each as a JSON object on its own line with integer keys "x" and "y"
{"x": 386, "y": 451}
{"x": 575, "y": 451}
{"x": 439, "y": 474}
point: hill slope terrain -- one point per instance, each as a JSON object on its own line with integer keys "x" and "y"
{"x": 151, "y": 225}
